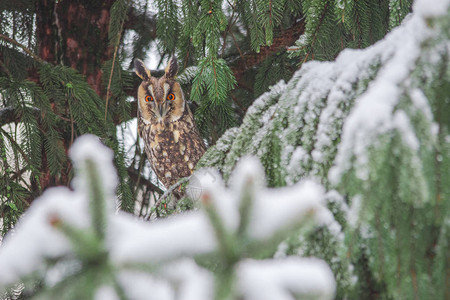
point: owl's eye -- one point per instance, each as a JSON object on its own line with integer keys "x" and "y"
{"x": 148, "y": 98}
{"x": 171, "y": 97}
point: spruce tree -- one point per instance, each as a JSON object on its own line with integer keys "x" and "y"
{"x": 371, "y": 127}
{"x": 66, "y": 70}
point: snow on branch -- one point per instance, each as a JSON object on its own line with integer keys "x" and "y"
{"x": 73, "y": 237}
{"x": 336, "y": 111}
{"x": 371, "y": 126}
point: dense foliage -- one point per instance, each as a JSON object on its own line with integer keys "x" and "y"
{"x": 371, "y": 127}
{"x": 65, "y": 70}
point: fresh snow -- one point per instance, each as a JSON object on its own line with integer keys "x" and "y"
{"x": 431, "y": 8}
{"x": 282, "y": 279}
{"x": 106, "y": 293}
{"x": 372, "y": 114}
{"x": 133, "y": 242}
{"x": 151, "y": 259}
{"x": 34, "y": 238}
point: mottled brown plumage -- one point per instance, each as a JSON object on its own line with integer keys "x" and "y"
{"x": 165, "y": 123}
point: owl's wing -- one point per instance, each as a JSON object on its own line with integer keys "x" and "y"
{"x": 140, "y": 124}
{"x": 195, "y": 133}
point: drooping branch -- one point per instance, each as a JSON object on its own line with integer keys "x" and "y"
{"x": 25, "y": 49}
{"x": 9, "y": 115}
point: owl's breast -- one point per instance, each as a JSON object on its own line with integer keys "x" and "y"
{"x": 174, "y": 149}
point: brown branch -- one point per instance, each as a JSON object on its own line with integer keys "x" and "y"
{"x": 280, "y": 42}
{"x": 108, "y": 90}
{"x": 116, "y": 48}
{"x": 237, "y": 46}
{"x": 148, "y": 183}
{"x": 230, "y": 24}
{"x": 168, "y": 192}
{"x": 235, "y": 100}
{"x": 27, "y": 51}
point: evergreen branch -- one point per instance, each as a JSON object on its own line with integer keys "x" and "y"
{"x": 322, "y": 17}
{"x": 71, "y": 120}
{"x": 28, "y": 51}
{"x": 358, "y": 23}
{"x": 216, "y": 84}
{"x": 97, "y": 199}
{"x": 5, "y": 69}
{"x": 269, "y": 28}
{"x": 116, "y": 48}
{"x": 17, "y": 146}
{"x": 197, "y": 89}
{"x": 228, "y": 30}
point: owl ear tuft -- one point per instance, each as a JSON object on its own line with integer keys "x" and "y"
{"x": 172, "y": 68}
{"x": 141, "y": 70}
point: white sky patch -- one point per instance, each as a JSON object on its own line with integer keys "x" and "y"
{"x": 127, "y": 133}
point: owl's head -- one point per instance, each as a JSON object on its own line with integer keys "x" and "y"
{"x": 160, "y": 99}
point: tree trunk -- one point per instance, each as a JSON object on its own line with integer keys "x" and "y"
{"x": 74, "y": 34}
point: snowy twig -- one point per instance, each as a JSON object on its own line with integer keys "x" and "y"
{"x": 168, "y": 192}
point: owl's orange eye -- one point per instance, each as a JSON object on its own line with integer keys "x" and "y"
{"x": 171, "y": 97}
{"x": 148, "y": 98}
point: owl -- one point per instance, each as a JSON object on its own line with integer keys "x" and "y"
{"x": 165, "y": 123}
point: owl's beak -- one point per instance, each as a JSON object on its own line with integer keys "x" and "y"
{"x": 162, "y": 108}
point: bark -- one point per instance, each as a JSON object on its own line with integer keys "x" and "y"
{"x": 75, "y": 34}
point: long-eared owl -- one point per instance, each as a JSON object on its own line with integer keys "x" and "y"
{"x": 166, "y": 124}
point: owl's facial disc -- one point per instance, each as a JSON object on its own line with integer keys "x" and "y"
{"x": 160, "y": 91}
